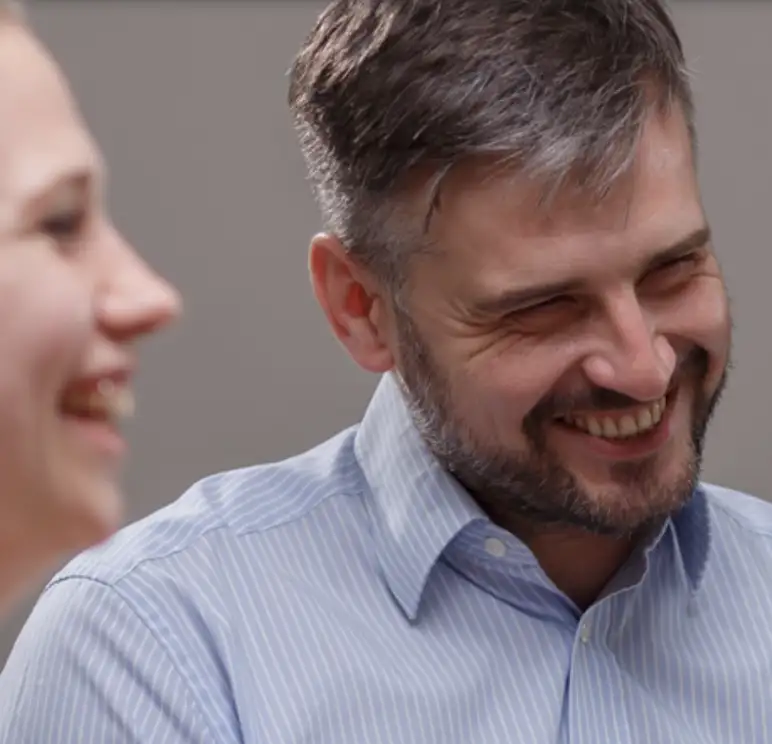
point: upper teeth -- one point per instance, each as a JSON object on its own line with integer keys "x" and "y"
{"x": 110, "y": 400}
{"x": 633, "y": 422}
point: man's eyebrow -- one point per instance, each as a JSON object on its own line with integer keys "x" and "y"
{"x": 512, "y": 299}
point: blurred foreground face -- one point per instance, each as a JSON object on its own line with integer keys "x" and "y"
{"x": 74, "y": 297}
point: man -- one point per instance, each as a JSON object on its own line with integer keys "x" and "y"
{"x": 513, "y": 545}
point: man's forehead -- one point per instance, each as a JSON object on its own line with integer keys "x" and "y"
{"x": 502, "y": 244}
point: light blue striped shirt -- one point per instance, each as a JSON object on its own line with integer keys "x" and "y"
{"x": 355, "y": 594}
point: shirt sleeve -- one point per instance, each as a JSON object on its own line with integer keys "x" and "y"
{"x": 87, "y": 669}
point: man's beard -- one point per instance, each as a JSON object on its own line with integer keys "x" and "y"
{"x": 533, "y": 485}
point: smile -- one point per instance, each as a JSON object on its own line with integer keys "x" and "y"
{"x": 105, "y": 400}
{"x": 93, "y": 410}
{"x": 626, "y": 424}
{"x": 631, "y": 433}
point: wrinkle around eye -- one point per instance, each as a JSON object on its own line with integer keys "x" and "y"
{"x": 499, "y": 340}
{"x": 547, "y": 319}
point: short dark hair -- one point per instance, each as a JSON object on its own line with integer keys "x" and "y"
{"x": 555, "y": 88}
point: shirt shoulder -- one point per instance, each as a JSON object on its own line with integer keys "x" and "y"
{"x": 226, "y": 507}
{"x": 740, "y": 534}
{"x": 739, "y": 512}
{"x": 175, "y": 594}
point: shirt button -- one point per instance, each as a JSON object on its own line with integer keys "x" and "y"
{"x": 495, "y": 547}
{"x": 584, "y": 632}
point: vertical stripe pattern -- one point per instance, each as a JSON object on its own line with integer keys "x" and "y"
{"x": 355, "y": 594}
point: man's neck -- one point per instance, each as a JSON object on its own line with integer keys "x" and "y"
{"x": 579, "y": 563}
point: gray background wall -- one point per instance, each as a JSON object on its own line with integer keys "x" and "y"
{"x": 187, "y": 100}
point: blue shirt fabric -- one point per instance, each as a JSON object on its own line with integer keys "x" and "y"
{"x": 356, "y": 594}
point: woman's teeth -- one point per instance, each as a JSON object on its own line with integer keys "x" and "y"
{"x": 611, "y": 426}
{"x": 106, "y": 401}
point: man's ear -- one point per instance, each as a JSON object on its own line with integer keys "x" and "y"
{"x": 353, "y": 303}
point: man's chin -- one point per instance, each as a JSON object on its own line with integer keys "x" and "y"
{"x": 636, "y": 495}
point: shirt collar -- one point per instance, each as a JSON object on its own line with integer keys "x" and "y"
{"x": 417, "y": 506}
{"x": 692, "y": 532}
{"x": 686, "y": 534}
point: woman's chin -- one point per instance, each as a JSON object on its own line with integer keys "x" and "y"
{"x": 89, "y": 509}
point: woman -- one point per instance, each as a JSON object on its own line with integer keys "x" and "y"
{"x": 74, "y": 297}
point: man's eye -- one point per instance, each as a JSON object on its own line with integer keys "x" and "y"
{"x": 680, "y": 262}
{"x": 554, "y": 303}
{"x": 675, "y": 273}
{"x": 549, "y": 316}
{"x": 64, "y": 226}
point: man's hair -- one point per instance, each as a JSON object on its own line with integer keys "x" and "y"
{"x": 554, "y": 89}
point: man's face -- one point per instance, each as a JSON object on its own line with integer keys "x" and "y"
{"x": 563, "y": 363}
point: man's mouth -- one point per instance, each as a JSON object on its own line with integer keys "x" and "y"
{"x": 619, "y": 425}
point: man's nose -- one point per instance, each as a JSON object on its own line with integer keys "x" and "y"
{"x": 632, "y": 358}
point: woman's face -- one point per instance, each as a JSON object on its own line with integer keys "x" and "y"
{"x": 74, "y": 297}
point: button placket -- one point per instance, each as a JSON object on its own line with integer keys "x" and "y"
{"x": 585, "y": 631}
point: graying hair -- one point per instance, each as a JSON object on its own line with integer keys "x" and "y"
{"x": 554, "y": 89}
